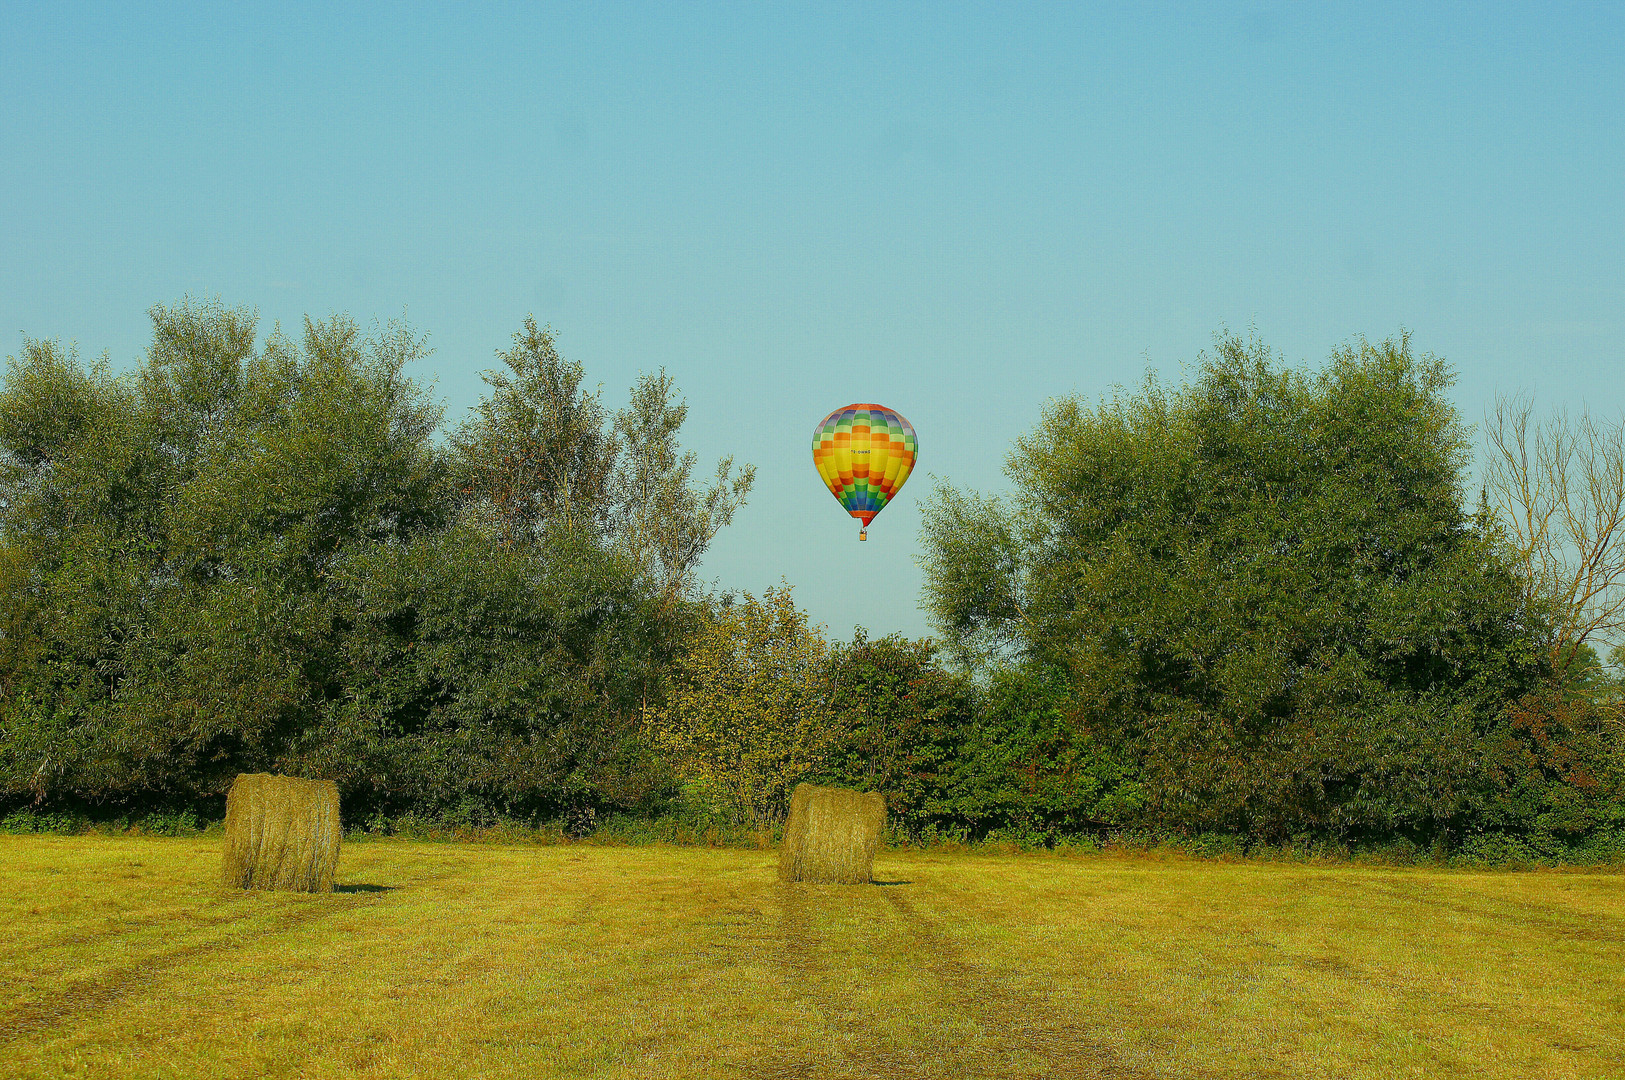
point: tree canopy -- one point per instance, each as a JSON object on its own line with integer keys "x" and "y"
{"x": 1257, "y": 603}
{"x": 256, "y": 556}
{"x": 1262, "y": 584}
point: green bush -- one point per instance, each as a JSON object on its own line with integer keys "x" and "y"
{"x": 61, "y": 823}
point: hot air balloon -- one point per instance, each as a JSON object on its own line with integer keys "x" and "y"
{"x": 864, "y": 453}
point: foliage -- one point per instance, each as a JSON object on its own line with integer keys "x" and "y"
{"x": 243, "y": 557}
{"x": 900, "y": 716}
{"x": 541, "y": 455}
{"x": 1558, "y": 773}
{"x": 538, "y": 450}
{"x": 955, "y": 758}
{"x": 23, "y": 821}
{"x": 1263, "y": 591}
{"x": 749, "y": 712}
{"x": 510, "y": 676}
{"x": 661, "y": 519}
{"x": 1247, "y": 610}
{"x": 1025, "y": 767}
{"x": 171, "y": 535}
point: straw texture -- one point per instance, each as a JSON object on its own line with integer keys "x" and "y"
{"x": 282, "y": 833}
{"x": 831, "y": 835}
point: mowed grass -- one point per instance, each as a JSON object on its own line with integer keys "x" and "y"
{"x": 123, "y": 957}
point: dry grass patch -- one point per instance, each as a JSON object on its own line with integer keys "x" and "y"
{"x": 126, "y": 959}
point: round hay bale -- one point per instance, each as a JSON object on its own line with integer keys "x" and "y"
{"x": 282, "y": 833}
{"x": 831, "y": 835}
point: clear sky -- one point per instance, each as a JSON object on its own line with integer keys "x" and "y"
{"x": 957, "y": 211}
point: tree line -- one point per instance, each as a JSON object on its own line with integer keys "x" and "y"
{"x": 1260, "y": 604}
{"x": 1269, "y": 592}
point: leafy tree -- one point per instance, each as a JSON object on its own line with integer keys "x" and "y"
{"x": 901, "y": 718}
{"x": 537, "y": 451}
{"x": 506, "y": 677}
{"x": 661, "y": 518}
{"x": 171, "y": 536}
{"x": 954, "y": 757}
{"x": 250, "y": 555}
{"x": 749, "y": 714}
{"x": 542, "y": 455}
{"x": 1559, "y": 772}
{"x": 1025, "y": 766}
{"x": 1262, "y": 588}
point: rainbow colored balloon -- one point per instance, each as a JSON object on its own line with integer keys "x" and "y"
{"x": 864, "y": 453}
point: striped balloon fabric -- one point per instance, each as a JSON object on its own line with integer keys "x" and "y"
{"x": 864, "y": 453}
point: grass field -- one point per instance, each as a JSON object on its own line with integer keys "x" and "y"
{"x": 122, "y": 957}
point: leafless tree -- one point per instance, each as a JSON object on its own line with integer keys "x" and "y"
{"x": 1558, "y": 486}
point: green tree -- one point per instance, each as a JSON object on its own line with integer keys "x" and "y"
{"x": 540, "y": 455}
{"x": 538, "y": 450}
{"x": 901, "y": 718}
{"x": 1026, "y": 767}
{"x": 171, "y": 536}
{"x": 953, "y": 757}
{"x": 250, "y": 555}
{"x": 749, "y": 715}
{"x": 662, "y": 519}
{"x": 1262, "y": 588}
{"x": 506, "y": 677}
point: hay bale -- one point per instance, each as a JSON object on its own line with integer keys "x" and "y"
{"x": 281, "y": 833}
{"x": 831, "y": 835}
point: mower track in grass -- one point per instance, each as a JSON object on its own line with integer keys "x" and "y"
{"x": 979, "y": 1026}
{"x": 125, "y": 959}
{"x": 1014, "y": 1019}
{"x": 80, "y": 998}
{"x": 40, "y": 1008}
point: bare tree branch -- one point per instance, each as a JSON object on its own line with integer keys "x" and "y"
{"x": 1558, "y": 488}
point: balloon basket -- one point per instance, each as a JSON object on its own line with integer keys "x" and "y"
{"x": 863, "y": 534}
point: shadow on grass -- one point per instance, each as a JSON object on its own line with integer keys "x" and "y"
{"x": 889, "y": 884}
{"x": 364, "y": 888}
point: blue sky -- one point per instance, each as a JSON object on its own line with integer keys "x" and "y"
{"x": 955, "y": 210}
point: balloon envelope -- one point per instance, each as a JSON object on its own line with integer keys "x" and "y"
{"x": 864, "y": 453}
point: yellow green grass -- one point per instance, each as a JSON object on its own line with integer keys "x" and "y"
{"x": 124, "y": 957}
